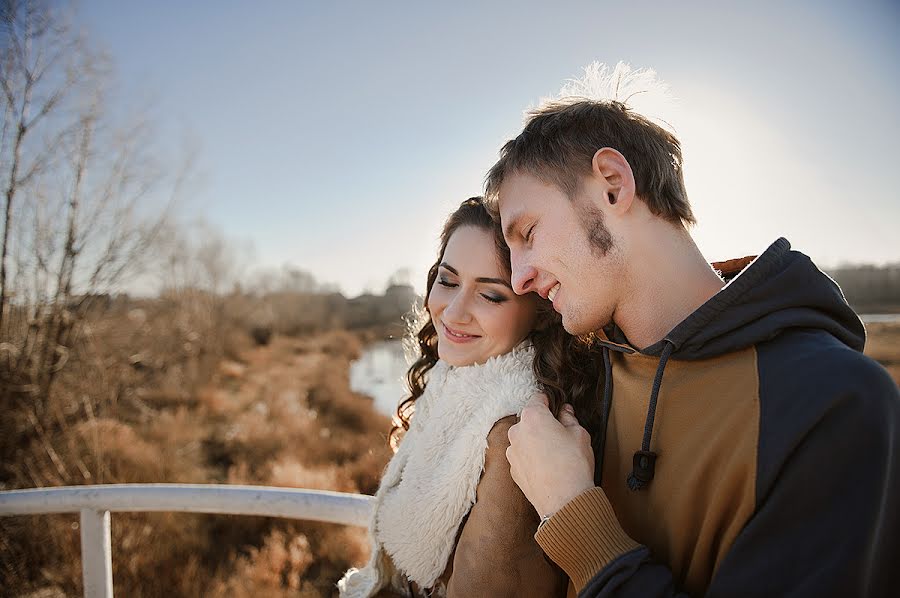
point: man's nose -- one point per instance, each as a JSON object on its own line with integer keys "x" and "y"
{"x": 523, "y": 275}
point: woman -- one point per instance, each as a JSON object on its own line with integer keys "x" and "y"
{"x": 448, "y": 519}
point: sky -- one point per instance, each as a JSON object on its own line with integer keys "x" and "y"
{"x": 337, "y": 135}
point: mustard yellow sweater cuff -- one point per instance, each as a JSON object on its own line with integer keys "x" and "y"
{"x": 584, "y": 536}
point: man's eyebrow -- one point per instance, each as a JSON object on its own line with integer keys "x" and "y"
{"x": 511, "y": 226}
{"x": 495, "y": 281}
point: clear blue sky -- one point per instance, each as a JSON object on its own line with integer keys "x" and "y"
{"x": 337, "y": 135}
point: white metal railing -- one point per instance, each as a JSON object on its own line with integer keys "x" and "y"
{"x": 95, "y": 503}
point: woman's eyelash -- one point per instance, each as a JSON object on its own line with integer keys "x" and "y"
{"x": 494, "y": 299}
{"x": 446, "y": 283}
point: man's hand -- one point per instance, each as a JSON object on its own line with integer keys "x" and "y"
{"x": 551, "y": 460}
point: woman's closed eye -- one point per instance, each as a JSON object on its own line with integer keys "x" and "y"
{"x": 494, "y": 298}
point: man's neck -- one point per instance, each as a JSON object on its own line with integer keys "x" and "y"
{"x": 668, "y": 279}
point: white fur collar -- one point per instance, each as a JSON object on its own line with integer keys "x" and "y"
{"x": 429, "y": 485}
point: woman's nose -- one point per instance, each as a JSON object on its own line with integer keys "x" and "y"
{"x": 457, "y": 309}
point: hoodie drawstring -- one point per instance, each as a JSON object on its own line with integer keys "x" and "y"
{"x": 605, "y": 405}
{"x": 645, "y": 460}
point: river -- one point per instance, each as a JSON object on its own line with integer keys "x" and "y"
{"x": 879, "y": 318}
{"x": 379, "y": 373}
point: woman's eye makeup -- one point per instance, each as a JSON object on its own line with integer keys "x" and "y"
{"x": 494, "y": 298}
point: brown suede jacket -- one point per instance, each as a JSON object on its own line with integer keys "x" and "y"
{"x": 496, "y": 554}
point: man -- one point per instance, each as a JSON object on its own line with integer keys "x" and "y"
{"x": 750, "y": 448}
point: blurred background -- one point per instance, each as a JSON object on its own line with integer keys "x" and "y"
{"x": 216, "y": 216}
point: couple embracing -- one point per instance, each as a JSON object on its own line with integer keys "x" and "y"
{"x": 598, "y": 410}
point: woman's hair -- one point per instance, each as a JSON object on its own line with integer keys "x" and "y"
{"x": 565, "y": 367}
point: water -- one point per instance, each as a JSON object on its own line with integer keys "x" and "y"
{"x": 879, "y": 318}
{"x": 379, "y": 373}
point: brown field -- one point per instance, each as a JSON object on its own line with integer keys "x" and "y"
{"x": 163, "y": 395}
{"x": 169, "y": 393}
{"x": 883, "y": 345}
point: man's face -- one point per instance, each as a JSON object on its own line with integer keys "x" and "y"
{"x": 560, "y": 249}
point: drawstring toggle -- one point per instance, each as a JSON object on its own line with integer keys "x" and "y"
{"x": 643, "y": 468}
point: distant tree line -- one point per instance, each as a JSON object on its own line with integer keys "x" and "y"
{"x": 870, "y": 288}
{"x": 296, "y": 313}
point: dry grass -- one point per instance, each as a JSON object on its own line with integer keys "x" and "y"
{"x": 883, "y": 345}
{"x": 164, "y": 394}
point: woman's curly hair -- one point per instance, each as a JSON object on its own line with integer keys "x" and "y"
{"x": 566, "y": 367}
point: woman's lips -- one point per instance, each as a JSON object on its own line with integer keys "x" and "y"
{"x": 458, "y": 337}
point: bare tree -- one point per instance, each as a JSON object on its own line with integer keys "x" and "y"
{"x": 35, "y": 76}
{"x": 204, "y": 260}
{"x": 84, "y": 199}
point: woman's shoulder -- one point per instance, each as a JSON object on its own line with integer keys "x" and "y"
{"x": 498, "y": 440}
{"x": 499, "y": 434}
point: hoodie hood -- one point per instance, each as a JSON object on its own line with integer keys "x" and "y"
{"x": 779, "y": 289}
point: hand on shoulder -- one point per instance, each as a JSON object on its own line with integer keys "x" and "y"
{"x": 550, "y": 459}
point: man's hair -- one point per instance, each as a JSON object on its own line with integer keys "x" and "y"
{"x": 561, "y": 137}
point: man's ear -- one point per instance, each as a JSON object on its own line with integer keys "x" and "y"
{"x": 613, "y": 172}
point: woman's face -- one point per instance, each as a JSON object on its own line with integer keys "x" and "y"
{"x": 475, "y": 312}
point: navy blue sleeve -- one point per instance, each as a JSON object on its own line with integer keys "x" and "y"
{"x": 632, "y": 574}
{"x": 828, "y": 479}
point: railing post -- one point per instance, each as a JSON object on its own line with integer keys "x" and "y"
{"x": 96, "y": 554}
